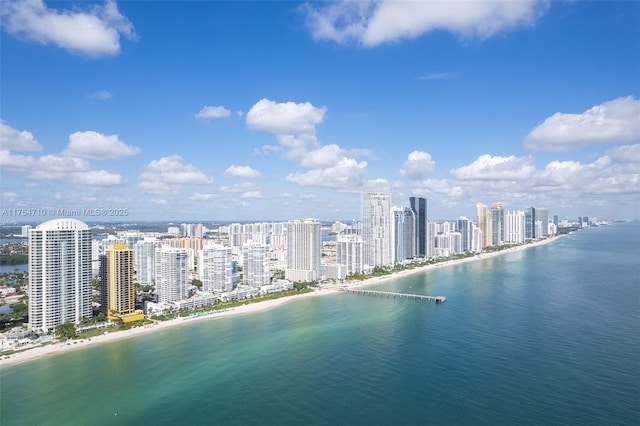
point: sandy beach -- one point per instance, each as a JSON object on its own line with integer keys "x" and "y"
{"x": 58, "y": 348}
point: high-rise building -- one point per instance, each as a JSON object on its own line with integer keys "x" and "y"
{"x": 144, "y": 262}
{"x": 304, "y": 250}
{"x": 350, "y": 252}
{"x": 485, "y": 224}
{"x": 215, "y": 268}
{"x": 398, "y": 234}
{"x": 497, "y": 224}
{"x": 463, "y": 226}
{"x": 543, "y": 216}
{"x": 410, "y": 232}
{"x": 514, "y": 227}
{"x": 419, "y": 207}
{"x": 377, "y": 229}
{"x": 172, "y": 273}
{"x": 59, "y": 273}
{"x": 530, "y": 223}
{"x": 117, "y": 290}
{"x": 255, "y": 264}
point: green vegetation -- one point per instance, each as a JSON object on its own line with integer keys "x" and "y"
{"x": 19, "y": 315}
{"x": 13, "y": 259}
{"x": 66, "y": 330}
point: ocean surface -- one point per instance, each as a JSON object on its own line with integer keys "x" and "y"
{"x": 548, "y": 335}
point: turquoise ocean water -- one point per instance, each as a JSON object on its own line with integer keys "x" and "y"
{"x": 549, "y": 335}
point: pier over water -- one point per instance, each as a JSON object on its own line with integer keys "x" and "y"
{"x": 437, "y": 299}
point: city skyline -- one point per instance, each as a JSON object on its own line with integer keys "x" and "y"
{"x": 216, "y": 121}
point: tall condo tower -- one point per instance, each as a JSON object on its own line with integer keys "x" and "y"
{"x": 215, "y": 268}
{"x": 497, "y": 224}
{"x": 172, "y": 272}
{"x": 118, "y": 295}
{"x": 530, "y": 223}
{"x": 304, "y": 250}
{"x": 255, "y": 264}
{"x": 59, "y": 273}
{"x": 377, "y": 232}
{"x": 485, "y": 224}
{"x": 419, "y": 207}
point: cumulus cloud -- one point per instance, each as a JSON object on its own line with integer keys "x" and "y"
{"x": 202, "y": 197}
{"x": 322, "y": 157}
{"x": 46, "y": 167}
{"x": 242, "y": 172}
{"x": 419, "y": 165}
{"x": 488, "y": 167}
{"x": 97, "y": 178}
{"x": 625, "y": 153}
{"x": 169, "y": 174}
{"x": 95, "y": 145}
{"x": 374, "y": 22}
{"x": 213, "y": 112}
{"x": 610, "y": 122}
{"x": 251, "y": 194}
{"x": 239, "y": 187}
{"x": 96, "y": 31}
{"x": 347, "y": 174}
{"x": 15, "y": 140}
{"x": 285, "y": 118}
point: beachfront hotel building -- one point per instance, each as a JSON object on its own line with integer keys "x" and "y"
{"x": 514, "y": 227}
{"x": 172, "y": 273}
{"x": 304, "y": 250}
{"x": 377, "y": 232}
{"x": 59, "y": 273}
{"x": 117, "y": 290}
{"x": 215, "y": 268}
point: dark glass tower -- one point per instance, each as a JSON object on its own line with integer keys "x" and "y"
{"x": 419, "y": 207}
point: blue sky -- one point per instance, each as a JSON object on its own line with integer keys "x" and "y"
{"x": 214, "y": 110}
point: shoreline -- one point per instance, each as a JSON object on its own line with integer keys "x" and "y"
{"x": 62, "y": 347}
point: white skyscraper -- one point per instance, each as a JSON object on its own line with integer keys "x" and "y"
{"x": 255, "y": 264}
{"x": 377, "y": 232}
{"x": 59, "y": 273}
{"x": 514, "y": 227}
{"x": 350, "y": 252}
{"x": 215, "y": 268}
{"x": 398, "y": 229}
{"x": 304, "y": 245}
{"x": 144, "y": 256}
{"x": 172, "y": 272}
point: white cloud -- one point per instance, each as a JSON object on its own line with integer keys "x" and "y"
{"x": 251, "y": 194}
{"x": 418, "y": 165}
{"x": 97, "y": 178}
{"x": 346, "y": 175}
{"x": 610, "y": 122}
{"x": 374, "y": 22}
{"x": 242, "y": 172}
{"x": 239, "y": 187}
{"x": 213, "y": 112}
{"x": 15, "y": 140}
{"x": 169, "y": 174}
{"x": 285, "y": 118}
{"x": 488, "y": 167}
{"x": 202, "y": 197}
{"x": 95, "y": 145}
{"x": 46, "y": 167}
{"x": 625, "y": 153}
{"x": 322, "y": 157}
{"x": 93, "y": 32}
